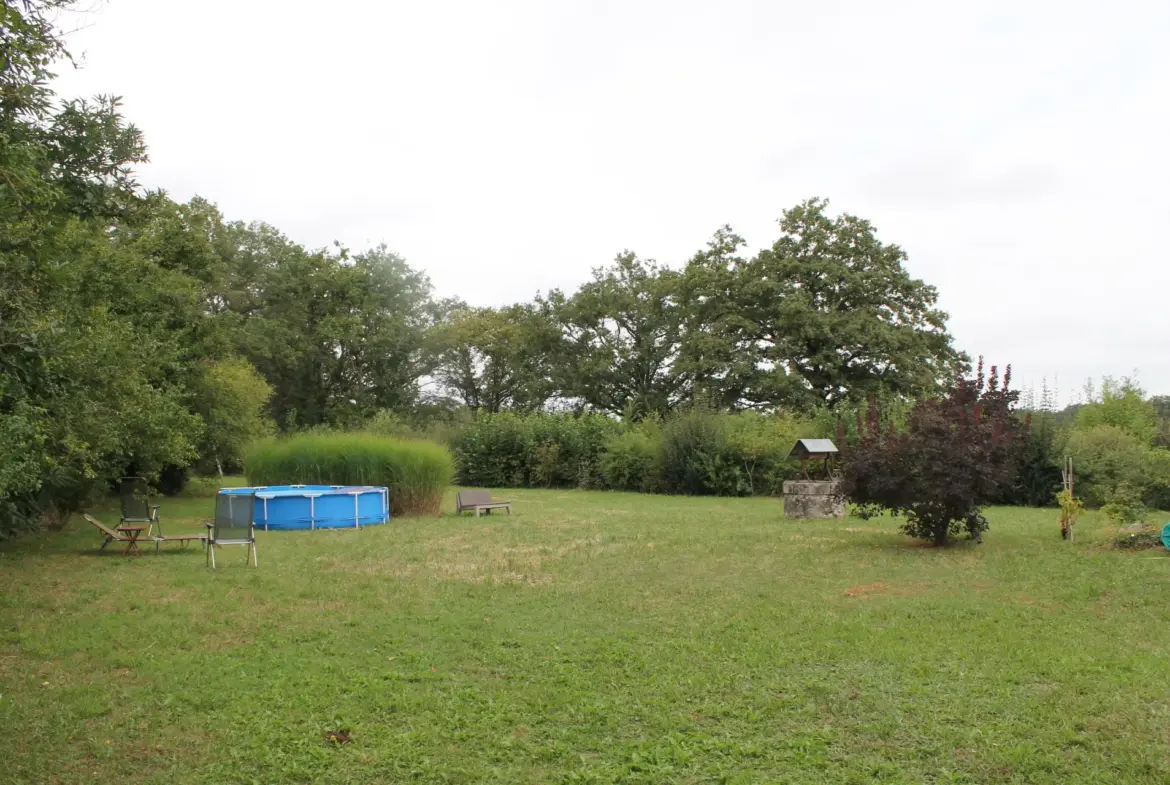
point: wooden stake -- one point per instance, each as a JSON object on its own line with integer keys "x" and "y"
{"x": 1066, "y": 476}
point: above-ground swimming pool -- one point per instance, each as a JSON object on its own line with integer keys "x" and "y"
{"x": 317, "y": 506}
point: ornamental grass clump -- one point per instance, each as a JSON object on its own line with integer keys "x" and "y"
{"x": 416, "y": 472}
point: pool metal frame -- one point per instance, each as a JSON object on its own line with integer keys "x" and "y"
{"x": 356, "y": 491}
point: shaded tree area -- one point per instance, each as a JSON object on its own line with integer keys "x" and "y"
{"x": 94, "y": 334}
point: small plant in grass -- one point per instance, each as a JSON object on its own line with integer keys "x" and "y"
{"x": 416, "y": 472}
{"x": 1126, "y": 511}
{"x": 1070, "y": 508}
{"x": 1144, "y": 539}
{"x": 957, "y": 454}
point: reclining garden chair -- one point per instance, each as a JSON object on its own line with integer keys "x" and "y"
{"x": 136, "y": 506}
{"x": 159, "y": 538}
{"x": 111, "y": 534}
{"x": 479, "y": 501}
{"x": 233, "y": 524}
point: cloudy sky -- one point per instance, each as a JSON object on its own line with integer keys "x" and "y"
{"x": 1017, "y": 150}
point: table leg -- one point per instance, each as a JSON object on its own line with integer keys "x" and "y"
{"x": 132, "y": 544}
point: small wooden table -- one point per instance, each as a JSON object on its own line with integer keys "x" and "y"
{"x": 132, "y": 533}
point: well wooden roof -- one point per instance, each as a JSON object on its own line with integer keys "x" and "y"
{"x": 813, "y": 448}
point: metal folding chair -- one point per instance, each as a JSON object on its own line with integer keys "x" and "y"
{"x": 233, "y": 524}
{"x": 136, "y": 506}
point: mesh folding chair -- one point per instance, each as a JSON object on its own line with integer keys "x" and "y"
{"x": 233, "y": 524}
{"x": 136, "y": 506}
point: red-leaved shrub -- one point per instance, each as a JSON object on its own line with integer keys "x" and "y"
{"x": 957, "y": 454}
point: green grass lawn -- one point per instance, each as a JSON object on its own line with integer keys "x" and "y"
{"x": 592, "y": 637}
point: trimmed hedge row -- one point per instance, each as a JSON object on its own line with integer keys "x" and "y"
{"x": 509, "y": 450}
{"x": 701, "y": 453}
{"x": 416, "y": 472}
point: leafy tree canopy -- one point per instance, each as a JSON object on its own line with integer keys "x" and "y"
{"x": 833, "y": 315}
{"x": 622, "y": 332}
{"x": 1121, "y": 404}
{"x": 493, "y": 359}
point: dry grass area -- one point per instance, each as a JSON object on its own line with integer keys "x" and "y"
{"x": 590, "y": 638}
{"x": 475, "y": 556}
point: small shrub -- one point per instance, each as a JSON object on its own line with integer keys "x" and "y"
{"x": 1138, "y": 539}
{"x": 1070, "y": 508}
{"x": 544, "y": 462}
{"x": 54, "y": 518}
{"x": 1125, "y": 505}
{"x": 416, "y": 472}
{"x": 691, "y": 453}
{"x": 61, "y": 497}
{"x": 1104, "y": 457}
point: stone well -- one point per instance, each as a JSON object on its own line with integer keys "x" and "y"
{"x": 805, "y": 499}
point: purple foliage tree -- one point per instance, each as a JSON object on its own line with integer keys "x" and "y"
{"x": 956, "y": 455}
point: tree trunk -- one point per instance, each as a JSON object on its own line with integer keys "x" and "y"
{"x": 940, "y": 536}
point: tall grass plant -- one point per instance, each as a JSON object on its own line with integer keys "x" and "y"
{"x": 416, "y": 472}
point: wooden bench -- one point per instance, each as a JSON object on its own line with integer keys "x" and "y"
{"x": 480, "y": 501}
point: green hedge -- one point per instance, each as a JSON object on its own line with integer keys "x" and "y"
{"x": 537, "y": 450}
{"x": 697, "y": 453}
{"x": 416, "y": 472}
{"x": 633, "y": 460}
{"x": 717, "y": 454}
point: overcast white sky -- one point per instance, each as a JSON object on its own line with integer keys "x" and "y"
{"x": 1017, "y": 150}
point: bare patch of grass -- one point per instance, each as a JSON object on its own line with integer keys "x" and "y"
{"x": 863, "y": 591}
{"x": 477, "y": 559}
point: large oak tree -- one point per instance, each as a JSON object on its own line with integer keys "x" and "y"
{"x": 832, "y": 314}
